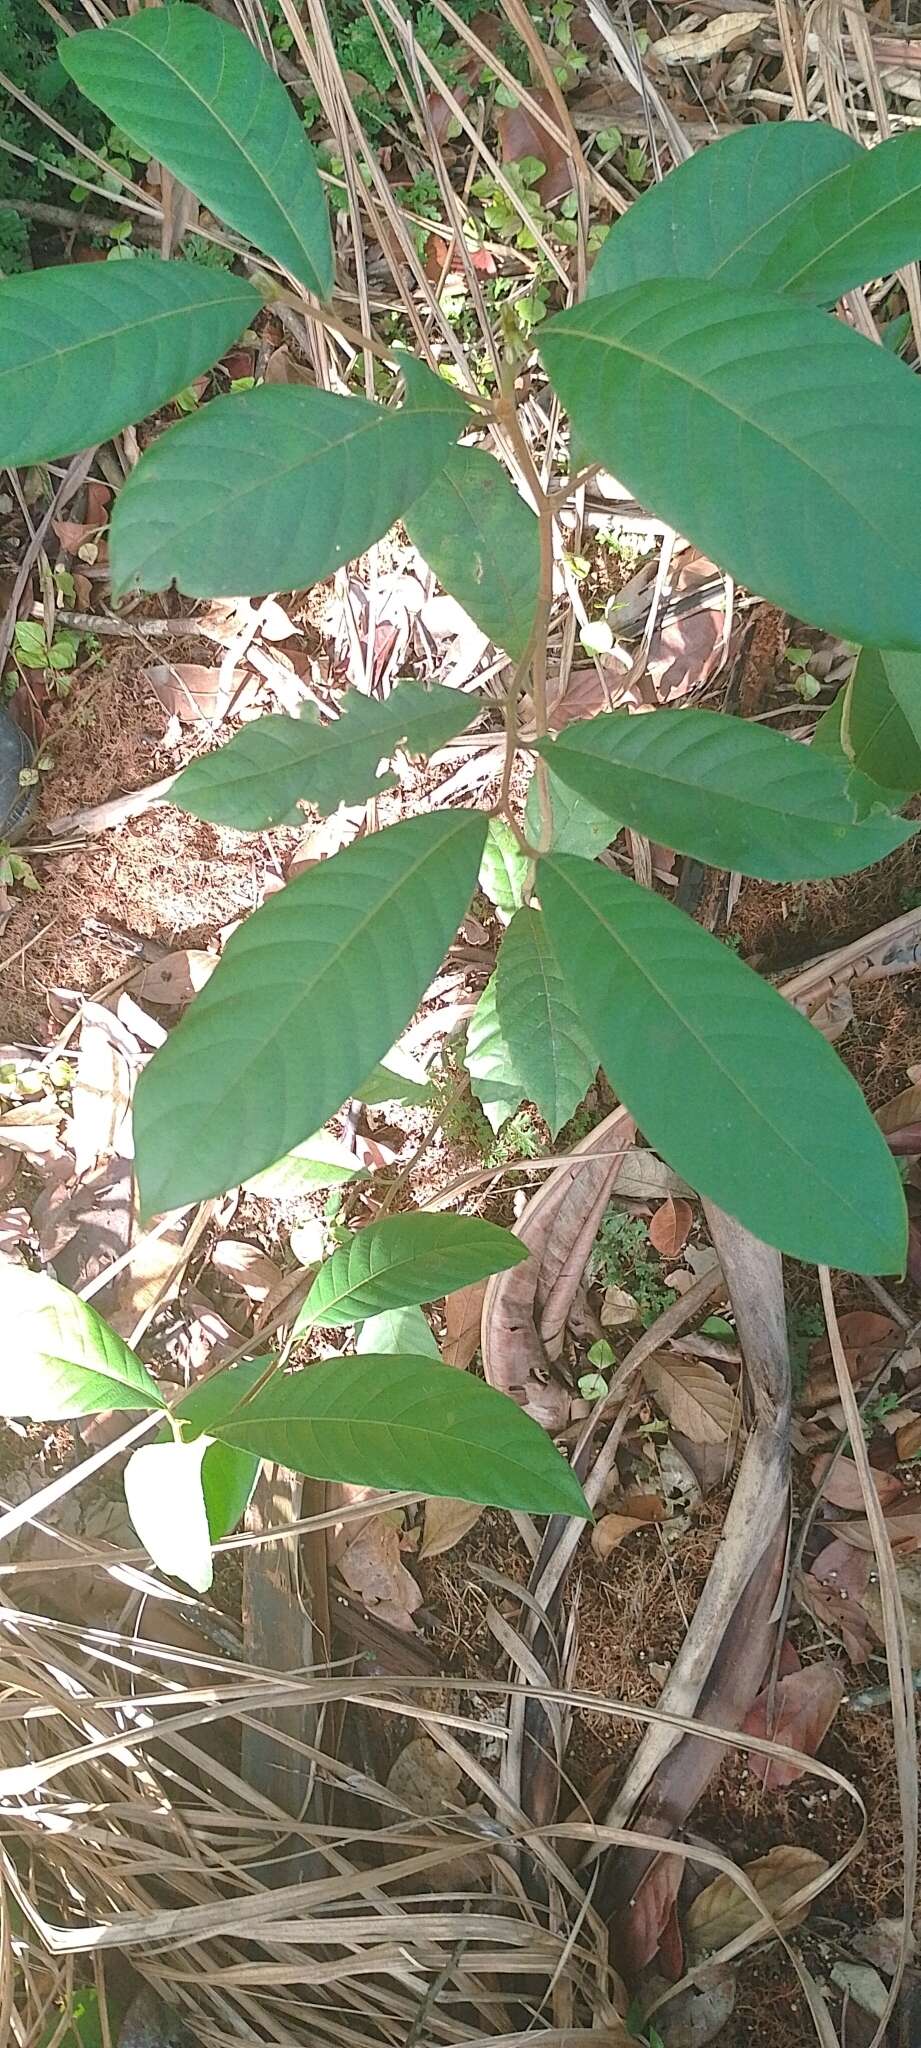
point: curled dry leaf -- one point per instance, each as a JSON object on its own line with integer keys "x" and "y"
{"x": 611, "y": 1530}
{"x": 693, "y": 1395}
{"x": 722, "y": 1911}
{"x": 178, "y": 976}
{"x": 246, "y": 1266}
{"x": 371, "y": 1566}
{"x": 445, "y": 1524}
{"x": 842, "y": 1488}
{"x": 901, "y": 1110}
{"x": 463, "y": 1315}
{"x": 670, "y": 1227}
{"x": 804, "y": 1707}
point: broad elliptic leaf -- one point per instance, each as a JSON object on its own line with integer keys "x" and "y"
{"x": 503, "y": 867}
{"x": 163, "y": 1489}
{"x": 862, "y": 222}
{"x": 397, "y": 1333}
{"x": 268, "y": 768}
{"x": 576, "y": 826}
{"x": 881, "y": 718}
{"x": 194, "y": 92}
{"x": 722, "y": 213}
{"x": 730, "y": 378}
{"x": 274, "y": 489}
{"x": 322, "y": 1161}
{"x": 526, "y": 1038}
{"x": 314, "y": 988}
{"x": 86, "y": 348}
{"x": 406, "y": 1423}
{"x": 404, "y": 1260}
{"x": 228, "y": 1477}
{"x": 726, "y": 790}
{"x": 482, "y": 541}
{"x": 727, "y": 1081}
{"x": 59, "y": 1356}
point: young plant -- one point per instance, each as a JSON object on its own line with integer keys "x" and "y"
{"x": 705, "y": 369}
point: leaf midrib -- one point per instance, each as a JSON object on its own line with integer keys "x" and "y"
{"x": 740, "y": 806}
{"x": 414, "y": 1259}
{"x": 160, "y": 58}
{"x": 321, "y": 742}
{"x": 115, "y": 334}
{"x": 802, "y": 1160}
{"x": 867, "y": 220}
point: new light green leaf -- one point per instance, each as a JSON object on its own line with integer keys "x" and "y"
{"x": 274, "y": 489}
{"x": 482, "y": 541}
{"x": 859, "y": 224}
{"x": 268, "y": 768}
{"x": 727, "y": 1081}
{"x": 526, "y": 1038}
{"x": 712, "y": 405}
{"x": 503, "y": 868}
{"x": 726, "y": 790}
{"x": 194, "y": 93}
{"x": 313, "y": 989}
{"x": 60, "y": 1357}
{"x": 322, "y": 1161}
{"x": 881, "y": 718}
{"x": 163, "y": 1489}
{"x": 404, "y": 1260}
{"x": 406, "y": 1423}
{"x": 722, "y": 213}
{"x": 397, "y": 1333}
{"x": 87, "y": 348}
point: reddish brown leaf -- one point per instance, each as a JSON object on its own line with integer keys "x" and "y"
{"x": 903, "y": 1530}
{"x": 842, "y": 1487}
{"x": 671, "y": 1948}
{"x": 908, "y": 1438}
{"x": 670, "y": 1227}
{"x": 610, "y": 1530}
{"x": 521, "y": 133}
{"x": 844, "y": 1618}
{"x": 693, "y": 1395}
{"x": 641, "y": 1926}
{"x": 463, "y": 1315}
{"x": 177, "y": 977}
{"x": 72, "y": 533}
{"x": 804, "y": 1706}
{"x": 722, "y": 1911}
{"x": 843, "y": 1569}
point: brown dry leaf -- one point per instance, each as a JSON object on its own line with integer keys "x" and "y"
{"x": 698, "y": 46}
{"x": 843, "y": 1569}
{"x": 445, "y": 1524}
{"x": 101, "y": 1091}
{"x": 246, "y": 1266}
{"x": 72, "y": 533}
{"x": 901, "y": 1110}
{"x": 846, "y": 1619}
{"x": 147, "y": 1280}
{"x": 522, "y": 134}
{"x": 867, "y": 1337}
{"x": 15, "y": 1229}
{"x": 693, "y": 1396}
{"x": 670, "y": 1227}
{"x": 463, "y": 1315}
{"x": 611, "y": 1530}
{"x": 619, "y": 1308}
{"x": 187, "y": 689}
{"x": 696, "y": 2016}
{"x": 33, "y": 1128}
{"x": 842, "y": 1486}
{"x": 909, "y": 1578}
{"x": 283, "y": 368}
{"x": 643, "y": 1506}
{"x": 721, "y": 1911}
{"x": 178, "y": 976}
{"x": 425, "y": 1779}
{"x": 372, "y": 1566}
{"x": 804, "y": 1707}
{"x": 908, "y": 1438}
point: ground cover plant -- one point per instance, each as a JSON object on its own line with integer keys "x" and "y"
{"x": 705, "y": 368}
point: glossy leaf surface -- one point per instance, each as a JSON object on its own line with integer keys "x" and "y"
{"x": 404, "y": 1260}
{"x": 87, "y": 348}
{"x": 727, "y": 1081}
{"x": 60, "y": 1357}
{"x": 781, "y": 489}
{"x": 194, "y": 92}
{"x": 526, "y": 1038}
{"x": 481, "y": 539}
{"x": 726, "y": 790}
{"x": 286, "y": 1028}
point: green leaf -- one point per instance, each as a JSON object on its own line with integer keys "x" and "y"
{"x": 726, "y": 790}
{"x": 206, "y": 1404}
{"x": 526, "y": 1038}
{"x": 862, "y": 223}
{"x": 407, "y": 1423}
{"x": 722, "y": 212}
{"x": 271, "y": 766}
{"x": 576, "y": 825}
{"x": 503, "y": 868}
{"x": 87, "y": 348}
{"x": 730, "y": 379}
{"x": 727, "y": 1081}
{"x": 163, "y": 1489}
{"x": 193, "y": 92}
{"x": 274, "y": 489}
{"x": 228, "y": 1478}
{"x": 310, "y": 992}
{"x": 881, "y": 722}
{"x": 482, "y": 541}
{"x": 397, "y": 1333}
{"x": 59, "y": 1357}
{"x": 396, "y": 1079}
{"x": 322, "y": 1161}
{"x": 404, "y": 1260}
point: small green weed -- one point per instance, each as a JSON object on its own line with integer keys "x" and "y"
{"x": 805, "y": 1322}
{"x": 623, "y": 1257}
